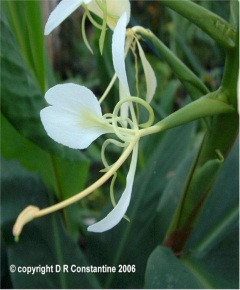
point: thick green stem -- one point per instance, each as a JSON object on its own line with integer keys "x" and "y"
{"x": 212, "y": 104}
{"x": 215, "y": 26}
{"x": 230, "y": 79}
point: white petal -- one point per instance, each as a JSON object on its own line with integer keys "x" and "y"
{"x": 75, "y": 119}
{"x": 60, "y": 13}
{"x": 125, "y": 106}
{"x": 114, "y": 217}
{"x": 118, "y": 45}
{"x": 73, "y": 97}
{"x": 115, "y": 8}
{"x": 149, "y": 75}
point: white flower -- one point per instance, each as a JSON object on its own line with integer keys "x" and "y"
{"x": 118, "y": 51}
{"x": 74, "y": 118}
{"x": 115, "y": 8}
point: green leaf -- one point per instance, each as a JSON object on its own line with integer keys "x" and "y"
{"x": 171, "y": 196}
{"x": 165, "y": 271}
{"x": 21, "y": 98}
{"x": 218, "y": 269}
{"x": 211, "y": 253}
{"x": 168, "y": 96}
{"x": 220, "y": 266}
{"x": 62, "y": 176}
{"x": 220, "y": 214}
{"x": 26, "y": 21}
{"x": 44, "y": 241}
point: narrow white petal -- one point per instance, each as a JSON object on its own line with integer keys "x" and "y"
{"x": 60, "y": 13}
{"x": 151, "y": 81}
{"x": 114, "y": 217}
{"x": 118, "y": 45}
{"x": 75, "y": 118}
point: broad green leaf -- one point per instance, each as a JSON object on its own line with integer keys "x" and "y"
{"x": 218, "y": 269}
{"x": 62, "y": 176}
{"x": 43, "y": 241}
{"x": 215, "y": 221}
{"x": 131, "y": 243}
{"x": 25, "y": 18}
{"x": 168, "y": 96}
{"x": 21, "y": 98}
{"x": 211, "y": 254}
{"x": 220, "y": 214}
{"x": 165, "y": 271}
{"x": 220, "y": 266}
{"x": 171, "y": 196}
{"x": 216, "y": 144}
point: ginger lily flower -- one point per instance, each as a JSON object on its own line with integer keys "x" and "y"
{"x": 109, "y": 10}
{"x": 75, "y": 119}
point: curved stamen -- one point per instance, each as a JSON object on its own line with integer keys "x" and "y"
{"x": 150, "y": 121}
{"x": 107, "y": 167}
{"x": 104, "y": 146}
{"x": 84, "y": 33}
{"x": 91, "y": 19}
{"x": 123, "y": 122}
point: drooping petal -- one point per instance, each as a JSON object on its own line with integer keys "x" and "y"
{"x": 114, "y": 217}
{"x": 75, "y": 117}
{"x": 118, "y": 47}
{"x": 115, "y": 9}
{"x": 125, "y": 106}
{"x": 150, "y": 77}
{"x": 60, "y": 13}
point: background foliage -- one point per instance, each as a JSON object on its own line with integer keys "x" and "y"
{"x": 36, "y": 170}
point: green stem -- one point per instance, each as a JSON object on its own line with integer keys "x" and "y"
{"x": 209, "y": 105}
{"x": 191, "y": 82}
{"x": 215, "y": 26}
{"x": 230, "y": 76}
